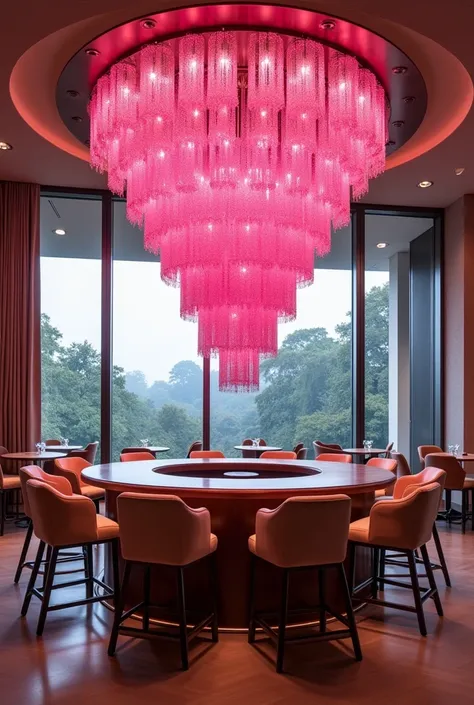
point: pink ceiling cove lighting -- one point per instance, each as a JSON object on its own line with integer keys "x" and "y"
{"x": 237, "y": 170}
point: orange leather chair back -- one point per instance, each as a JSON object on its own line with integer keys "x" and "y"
{"x": 132, "y": 457}
{"x": 423, "y": 451}
{"x": 402, "y": 464}
{"x": 455, "y": 474}
{"x": 304, "y": 531}
{"x": 278, "y": 455}
{"x": 207, "y": 454}
{"x": 408, "y": 483}
{"x": 334, "y": 457}
{"x": 162, "y": 529}
{"x": 71, "y": 469}
{"x": 33, "y": 472}
{"x": 196, "y": 445}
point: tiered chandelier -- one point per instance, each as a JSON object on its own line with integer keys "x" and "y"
{"x": 237, "y": 173}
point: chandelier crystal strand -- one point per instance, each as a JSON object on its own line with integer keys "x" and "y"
{"x": 238, "y": 173}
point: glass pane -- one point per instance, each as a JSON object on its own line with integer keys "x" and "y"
{"x": 157, "y": 380}
{"x": 387, "y": 327}
{"x": 70, "y": 318}
{"x": 305, "y": 392}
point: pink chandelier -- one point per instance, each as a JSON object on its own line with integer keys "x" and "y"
{"x": 237, "y": 169}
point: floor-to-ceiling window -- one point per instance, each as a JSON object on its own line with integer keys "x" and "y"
{"x": 389, "y": 272}
{"x": 305, "y": 392}
{"x": 157, "y": 374}
{"x": 70, "y": 317}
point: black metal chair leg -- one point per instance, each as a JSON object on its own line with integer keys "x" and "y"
{"x": 47, "y": 591}
{"x": 49, "y": 551}
{"x": 322, "y": 600}
{"x": 416, "y": 593}
{"x": 282, "y": 621}
{"x": 350, "y": 615}
{"x": 383, "y": 554}
{"x": 89, "y": 569}
{"x": 146, "y": 598}
{"x": 463, "y": 510}
{"x": 352, "y": 567}
{"x": 24, "y": 552}
{"x": 441, "y": 558}
{"x": 119, "y": 609}
{"x": 3, "y": 505}
{"x": 432, "y": 580}
{"x": 32, "y": 580}
{"x": 115, "y": 569}
{"x": 472, "y": 510}
{"x": 97, "y": 505}
{"x": 183, "y": 630}
{"x": 375, "y": 571}
{"x": 251, "y": 632}
{"x": 214, "y": 589}
{"x": 448, "y": 506}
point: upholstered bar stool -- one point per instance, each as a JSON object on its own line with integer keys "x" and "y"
{"x": 401, "y": 525}
{"x": 278, "y": 455}
{"x": 139, "y": 455}
{"x": 33, "y": 472}
{"x": 456, "y": 480}
{"x": 162, "y": 530}
{"x": 384, "y": 464}
{"x": 403, "y": 486}
{"x": 207, "y": 454}
{"x": 423, "y": 451}
{"x": 64, "y": 522}
{"x": 71, "y": 469}
{"x": 8, "y": 484}
{"x": 334, "y": 457}
{"x": 303, "y": 533}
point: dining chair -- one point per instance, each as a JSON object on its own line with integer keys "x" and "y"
{"x": 456, "y": 480}
{"x": 303, "y": 533}
{"x": 335, "y": 458}
{"x": 388, "y": 450}
{"x": 71, "y": 469}
{"x": 278, "y": 455}
{"x": 133, "y": 457}
{"x": 403, "y": 467}
{"x": 9, "y": 484}
{"x": 53, "y": 442}
{"x": 402, "y": 525}
{"x": 207, "y": 454}
{"x": 302, "y": 454}
{"x": 384, "y": 464}
{"x": 325, "y": 448}
{"x": 423, "y": 451}
{"x": 195, "y": 445}
{"x": 136, "y": 449}
{"x": 63, "y": 521}
{"x": 161, "y": 530}
{"x": 88, "y": 453}
{"x": 298, "y": 447}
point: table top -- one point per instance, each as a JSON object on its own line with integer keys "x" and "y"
{"x": 65, "y": 449}
{"x": 303, "y": 477}
{"x": 155, "y": 449}
{"x": 465, "y": 457}
{"x": 364, "y": 451}
{"x": 33, "y": 456}
{"x": 258, "y": 449}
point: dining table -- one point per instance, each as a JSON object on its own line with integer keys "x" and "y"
{"x": 362, "y": 454}
{"x": 155, "y": 449}
{"x": 63, "y": 448}
{"x": 33, "y": 456}
{"x": 258, "y": 450}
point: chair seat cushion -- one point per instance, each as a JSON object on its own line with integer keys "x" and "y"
{"x": 106, "y": 528}
{"x": 469, "y": 482}
{"x": 252, "y": 544}
{"x": 359, "y": 530}
{"x": 92, "y": 492}
{"x": 213, "y": 543}
{"x": 11, "y": 482}
{"x": 380, "y": 493}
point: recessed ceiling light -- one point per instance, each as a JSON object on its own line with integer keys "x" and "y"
{"x": 328, "y": 24}
{"x": 399, "y": 69}
{"x": 459, "y": 171}
{"x": 92, "y": 52}
{"x": 148, "y": 24}
{"x": 425, "y": 184}
{"x": 59, "y": 231}
{"x": 382, "y": 245}
{"x": 5, "y": 146}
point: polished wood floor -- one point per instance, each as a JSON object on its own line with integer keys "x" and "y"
{"x": 70, "y": 663}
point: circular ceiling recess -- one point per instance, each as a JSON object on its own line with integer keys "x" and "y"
{"x": 402, "y": 81}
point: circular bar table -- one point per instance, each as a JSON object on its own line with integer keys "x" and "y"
{"x": 234, "y": 490}
{"x": 258, "y": 450}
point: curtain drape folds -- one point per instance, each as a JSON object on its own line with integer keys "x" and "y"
{"x": 20, "y": 345}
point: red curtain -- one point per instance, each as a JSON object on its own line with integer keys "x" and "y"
{"x": 20, "y": 345}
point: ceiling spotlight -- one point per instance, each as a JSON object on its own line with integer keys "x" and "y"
{"x": 148, "y": 24}
{"x": 92, "y": 52}
{"x": 59, "y": 231}
{"x": 76, "y": 118}
{"x": 72, "y": 93}
{"x": 459, "y": 171}
{"x": 409, "y": 99}
{"x": 382, "y": 245}
{"x": 5, "y": 146}
{"x": 327, "y": 24}
{"x": 398, "y": 123}
{"x": 399, "y": 69}
{"x": 390, "y": 143}
{"x": 425, "y": 184}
